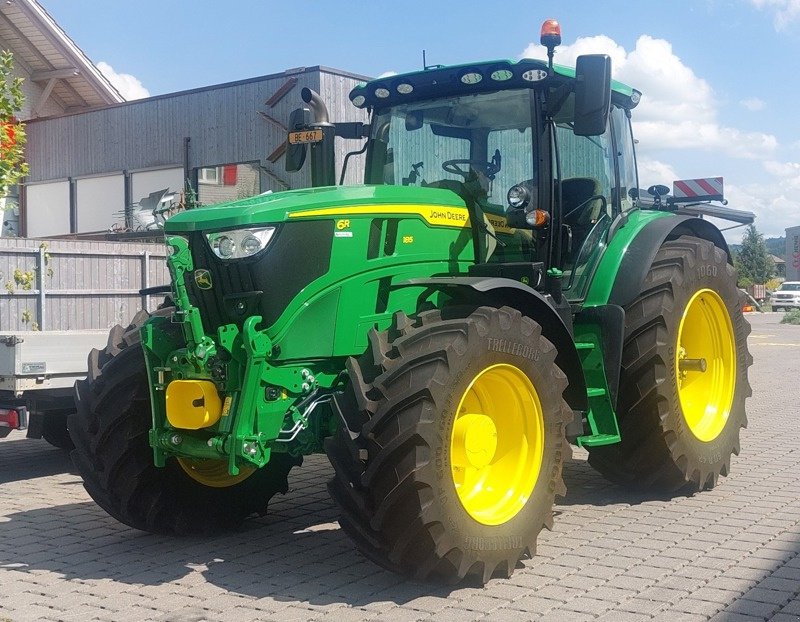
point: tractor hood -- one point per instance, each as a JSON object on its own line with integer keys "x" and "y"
{"x": 280, "y": 206}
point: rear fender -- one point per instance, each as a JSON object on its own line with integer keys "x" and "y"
{"x": 639, "y": 254}
{"x": 498, "y": 292}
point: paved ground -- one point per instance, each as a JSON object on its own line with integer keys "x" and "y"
{"x": 730, "y": 554}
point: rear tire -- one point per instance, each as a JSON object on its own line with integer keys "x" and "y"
{"x": 422, "y": 403}
{"x": 676, "y": 434}
{"x": 114, "y": 458}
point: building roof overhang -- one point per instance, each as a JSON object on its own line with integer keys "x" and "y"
{"x": 53, "y": 60}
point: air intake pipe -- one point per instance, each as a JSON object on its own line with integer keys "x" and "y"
{"x": 317, "y": 106}
{"x": 323, "y": 154}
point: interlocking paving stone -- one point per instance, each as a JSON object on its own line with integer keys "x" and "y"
{"x": 730, "y": 555}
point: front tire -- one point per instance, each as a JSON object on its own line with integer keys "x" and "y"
{"x": 683, "y": 381}
{"x": 455, "y": 444}
{"x": 114, "y": 458}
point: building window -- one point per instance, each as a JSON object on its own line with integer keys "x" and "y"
{"x": 208, "y": 175}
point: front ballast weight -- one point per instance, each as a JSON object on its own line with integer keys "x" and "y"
{"x": 264, "y": 408}
{"x": 220, "y": 399}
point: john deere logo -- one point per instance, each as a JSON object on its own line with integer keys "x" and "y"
{"x": 203, "y": 279}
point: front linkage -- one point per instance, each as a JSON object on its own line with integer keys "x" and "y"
{"x": 188, "y": 371}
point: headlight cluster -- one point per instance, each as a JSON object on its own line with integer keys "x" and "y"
{"x": 239, "y": 243}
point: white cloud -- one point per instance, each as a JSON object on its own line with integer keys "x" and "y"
{"x": 654, "y": 172}
{"x": 788, "y": 174}
{"x": 753, "y": 103}
{"x": 775, "y": 210}
{"x": 678, "y": 108}
{"x": 784, "y": 12}
{"x": 128, "y": 86}
{"x": 774, "y": 202}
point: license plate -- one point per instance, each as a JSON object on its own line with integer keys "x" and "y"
{"x": 305, "y": 136}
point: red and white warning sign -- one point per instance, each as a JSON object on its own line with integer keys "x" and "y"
{"x": 708, "y": 189}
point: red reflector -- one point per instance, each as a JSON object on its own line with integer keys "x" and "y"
{"x": 551, "y": 32}
{"x": 9, "y": 419}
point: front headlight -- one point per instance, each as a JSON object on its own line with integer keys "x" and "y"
{"x": 239, "y": 243}
{"x": 518, "y": 196}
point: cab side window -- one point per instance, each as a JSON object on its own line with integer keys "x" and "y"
{"x": 626, "y": 161}
{"x": 587, "y": 183}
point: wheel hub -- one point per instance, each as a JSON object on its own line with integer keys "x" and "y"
{"x": 706, "y": 362}
{"x": 474, "y": 440}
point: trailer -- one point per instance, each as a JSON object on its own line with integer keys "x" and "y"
{"x": 58, "y": 299}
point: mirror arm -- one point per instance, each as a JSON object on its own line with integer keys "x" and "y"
{"x": 352, "y": 129}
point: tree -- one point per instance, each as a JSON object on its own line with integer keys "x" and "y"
{"x": 12, "y": 133}
{"x": 753, "y": 262}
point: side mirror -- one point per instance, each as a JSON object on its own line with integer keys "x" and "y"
{"x": 296, "y": 152}
{"x": 658, "y": 190}
{"x": 592, "y": 94}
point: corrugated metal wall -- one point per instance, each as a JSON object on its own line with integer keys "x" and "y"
{"x": 85, "y": 284}
{"x": 225, "y": 124}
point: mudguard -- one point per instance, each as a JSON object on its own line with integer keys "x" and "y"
{"x": 498, "y": 291}
{"x": 632, "y": 246}
{"x": 642, "y": 250}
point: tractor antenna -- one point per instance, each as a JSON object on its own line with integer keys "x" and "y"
{"x": 425, "y": 64}
{"x": 550, "y": 37}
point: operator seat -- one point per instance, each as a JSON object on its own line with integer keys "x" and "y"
{"x": 581, "y": 219}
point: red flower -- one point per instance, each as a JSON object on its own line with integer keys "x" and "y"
{"x": 8, "y": 138}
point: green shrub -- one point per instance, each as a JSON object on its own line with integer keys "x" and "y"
{"x": 792, "y": 317}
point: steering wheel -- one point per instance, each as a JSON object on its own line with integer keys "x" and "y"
{"x": 454, "y": 167}
{"x": 580, "y": 207}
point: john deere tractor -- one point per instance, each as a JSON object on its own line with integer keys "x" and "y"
{"x": 496, "y": 290}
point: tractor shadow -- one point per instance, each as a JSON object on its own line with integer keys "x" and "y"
{"x": 585, "y": 486}
{"x": 279, "y": 557}
{"x": 297, "y": 553}
{"x": 23, "y": 459}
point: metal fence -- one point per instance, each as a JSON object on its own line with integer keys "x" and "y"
{"x": 76, "y": 285}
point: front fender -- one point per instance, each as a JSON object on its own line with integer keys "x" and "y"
{"x": 498, "y": 292}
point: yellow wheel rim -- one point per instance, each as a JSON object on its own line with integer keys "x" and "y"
{"x": 705, "y": 363}
{"x": 213, "y": 473}
{"x": 497, "y": 444}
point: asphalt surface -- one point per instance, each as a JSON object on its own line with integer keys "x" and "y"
{"x": 729, "y": 554}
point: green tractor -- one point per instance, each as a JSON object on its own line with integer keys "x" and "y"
{"x": 496, "y": 290}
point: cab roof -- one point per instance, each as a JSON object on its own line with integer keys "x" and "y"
{"x": 441, "y": 81}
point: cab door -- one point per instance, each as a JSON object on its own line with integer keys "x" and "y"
{"x": 594, "y": 176}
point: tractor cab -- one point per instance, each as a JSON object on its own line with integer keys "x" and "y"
{"x": 541, "y": 155}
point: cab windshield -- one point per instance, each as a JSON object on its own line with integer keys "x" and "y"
{"x": 484, "y": 140}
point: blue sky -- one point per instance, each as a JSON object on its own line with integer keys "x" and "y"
{"x": 719, "y": 77}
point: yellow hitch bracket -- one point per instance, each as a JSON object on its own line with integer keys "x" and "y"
{"x": 193, "y": 404}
